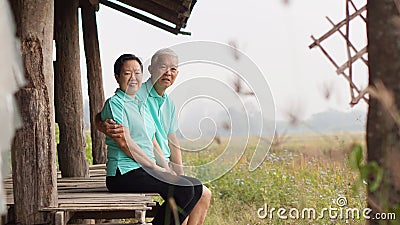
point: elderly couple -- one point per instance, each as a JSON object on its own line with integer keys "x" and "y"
{"x": 143, "y": 150}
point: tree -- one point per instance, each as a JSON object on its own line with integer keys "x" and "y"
{"x": 68, "y": 91}
{"x": 94, "y": 76}
{"x": 33, "y": 149}
{"x": 383, "y": 137}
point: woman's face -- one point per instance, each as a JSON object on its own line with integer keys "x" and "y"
{"x": 130, "y": 78}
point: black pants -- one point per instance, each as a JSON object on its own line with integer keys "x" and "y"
{"x": 186, "y": 191}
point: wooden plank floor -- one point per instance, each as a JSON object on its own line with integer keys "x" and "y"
{"x": 89, "y": 197}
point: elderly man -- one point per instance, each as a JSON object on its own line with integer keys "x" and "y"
{"x": 163, "y": 70}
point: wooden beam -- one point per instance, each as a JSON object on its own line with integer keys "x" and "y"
{"x": 172, "y": 5}
{"x": 60, "y": 218}
{"x": 351, "y": 45}
{"x": 355, "y": 8}
{"x": 33, "y": 148}
{"x": 337, "y": 27}
{"x": 351, "y": 83}
{"x": 95, "y": 79}
{"x": 68, "y": 91}
{"x": 94, "y": 2}
{"x": 161, "y": 10}
{"x": 120, "y": 214}
{"x": 354, "y": 58}
{"x": 317, "y": 43}
{"x": 174, "y": 30}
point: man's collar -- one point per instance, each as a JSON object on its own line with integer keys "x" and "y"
{"x": 152, "y": 91}
{"x": 126, "y": 98}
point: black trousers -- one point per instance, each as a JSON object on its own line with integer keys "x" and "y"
{"x": 186, "y": 191}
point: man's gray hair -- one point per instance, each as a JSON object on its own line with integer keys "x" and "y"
{"x": 163, "y": 51}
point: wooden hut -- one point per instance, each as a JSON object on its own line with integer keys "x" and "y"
{"x": 39, "y": 22}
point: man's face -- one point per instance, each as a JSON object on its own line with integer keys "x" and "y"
{"x": 130, "y": 78}
{"x": 164, "y": 72}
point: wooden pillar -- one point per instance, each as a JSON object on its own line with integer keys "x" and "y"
{"x": 95, "y": 80}
{"x": 33, "y": 149}
{"x": 68, "y": 91}
{"x": 383, "y": 135}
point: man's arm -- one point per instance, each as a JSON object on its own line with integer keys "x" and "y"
{"x": 109, "y": 127}
{"x": 160, "y": 158}
{"x": 122, "y": 137}
{"x": 176, "y": 155}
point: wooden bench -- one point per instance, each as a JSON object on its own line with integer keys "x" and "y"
{"x": 88, "y": 198}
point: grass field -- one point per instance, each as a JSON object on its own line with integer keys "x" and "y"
{"x": 300, "y": 171}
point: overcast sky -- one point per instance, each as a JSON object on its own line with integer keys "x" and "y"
{"x": 273, "y": 34}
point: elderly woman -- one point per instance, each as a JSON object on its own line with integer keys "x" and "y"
{"x": 135, "y": 161}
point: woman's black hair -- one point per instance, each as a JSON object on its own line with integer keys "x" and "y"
{"x": 121, "y": 60}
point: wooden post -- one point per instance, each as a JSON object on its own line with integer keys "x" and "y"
{"x": 33, "y": 149}
{"x": 382, "y": 128}
{"x": 95, "y": 80}
{"x": 68, "y": 91}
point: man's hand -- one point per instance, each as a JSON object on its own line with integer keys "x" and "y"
{"x": 109, "y": 127}
{"x": 122, "y": 139}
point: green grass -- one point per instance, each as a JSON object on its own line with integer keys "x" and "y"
{"x": 88, "y": 148}
{"x": 302, "y": 172}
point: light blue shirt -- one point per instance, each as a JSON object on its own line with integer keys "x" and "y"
{"x": 133, "y": 114}
{"x": 162, "y": 109}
